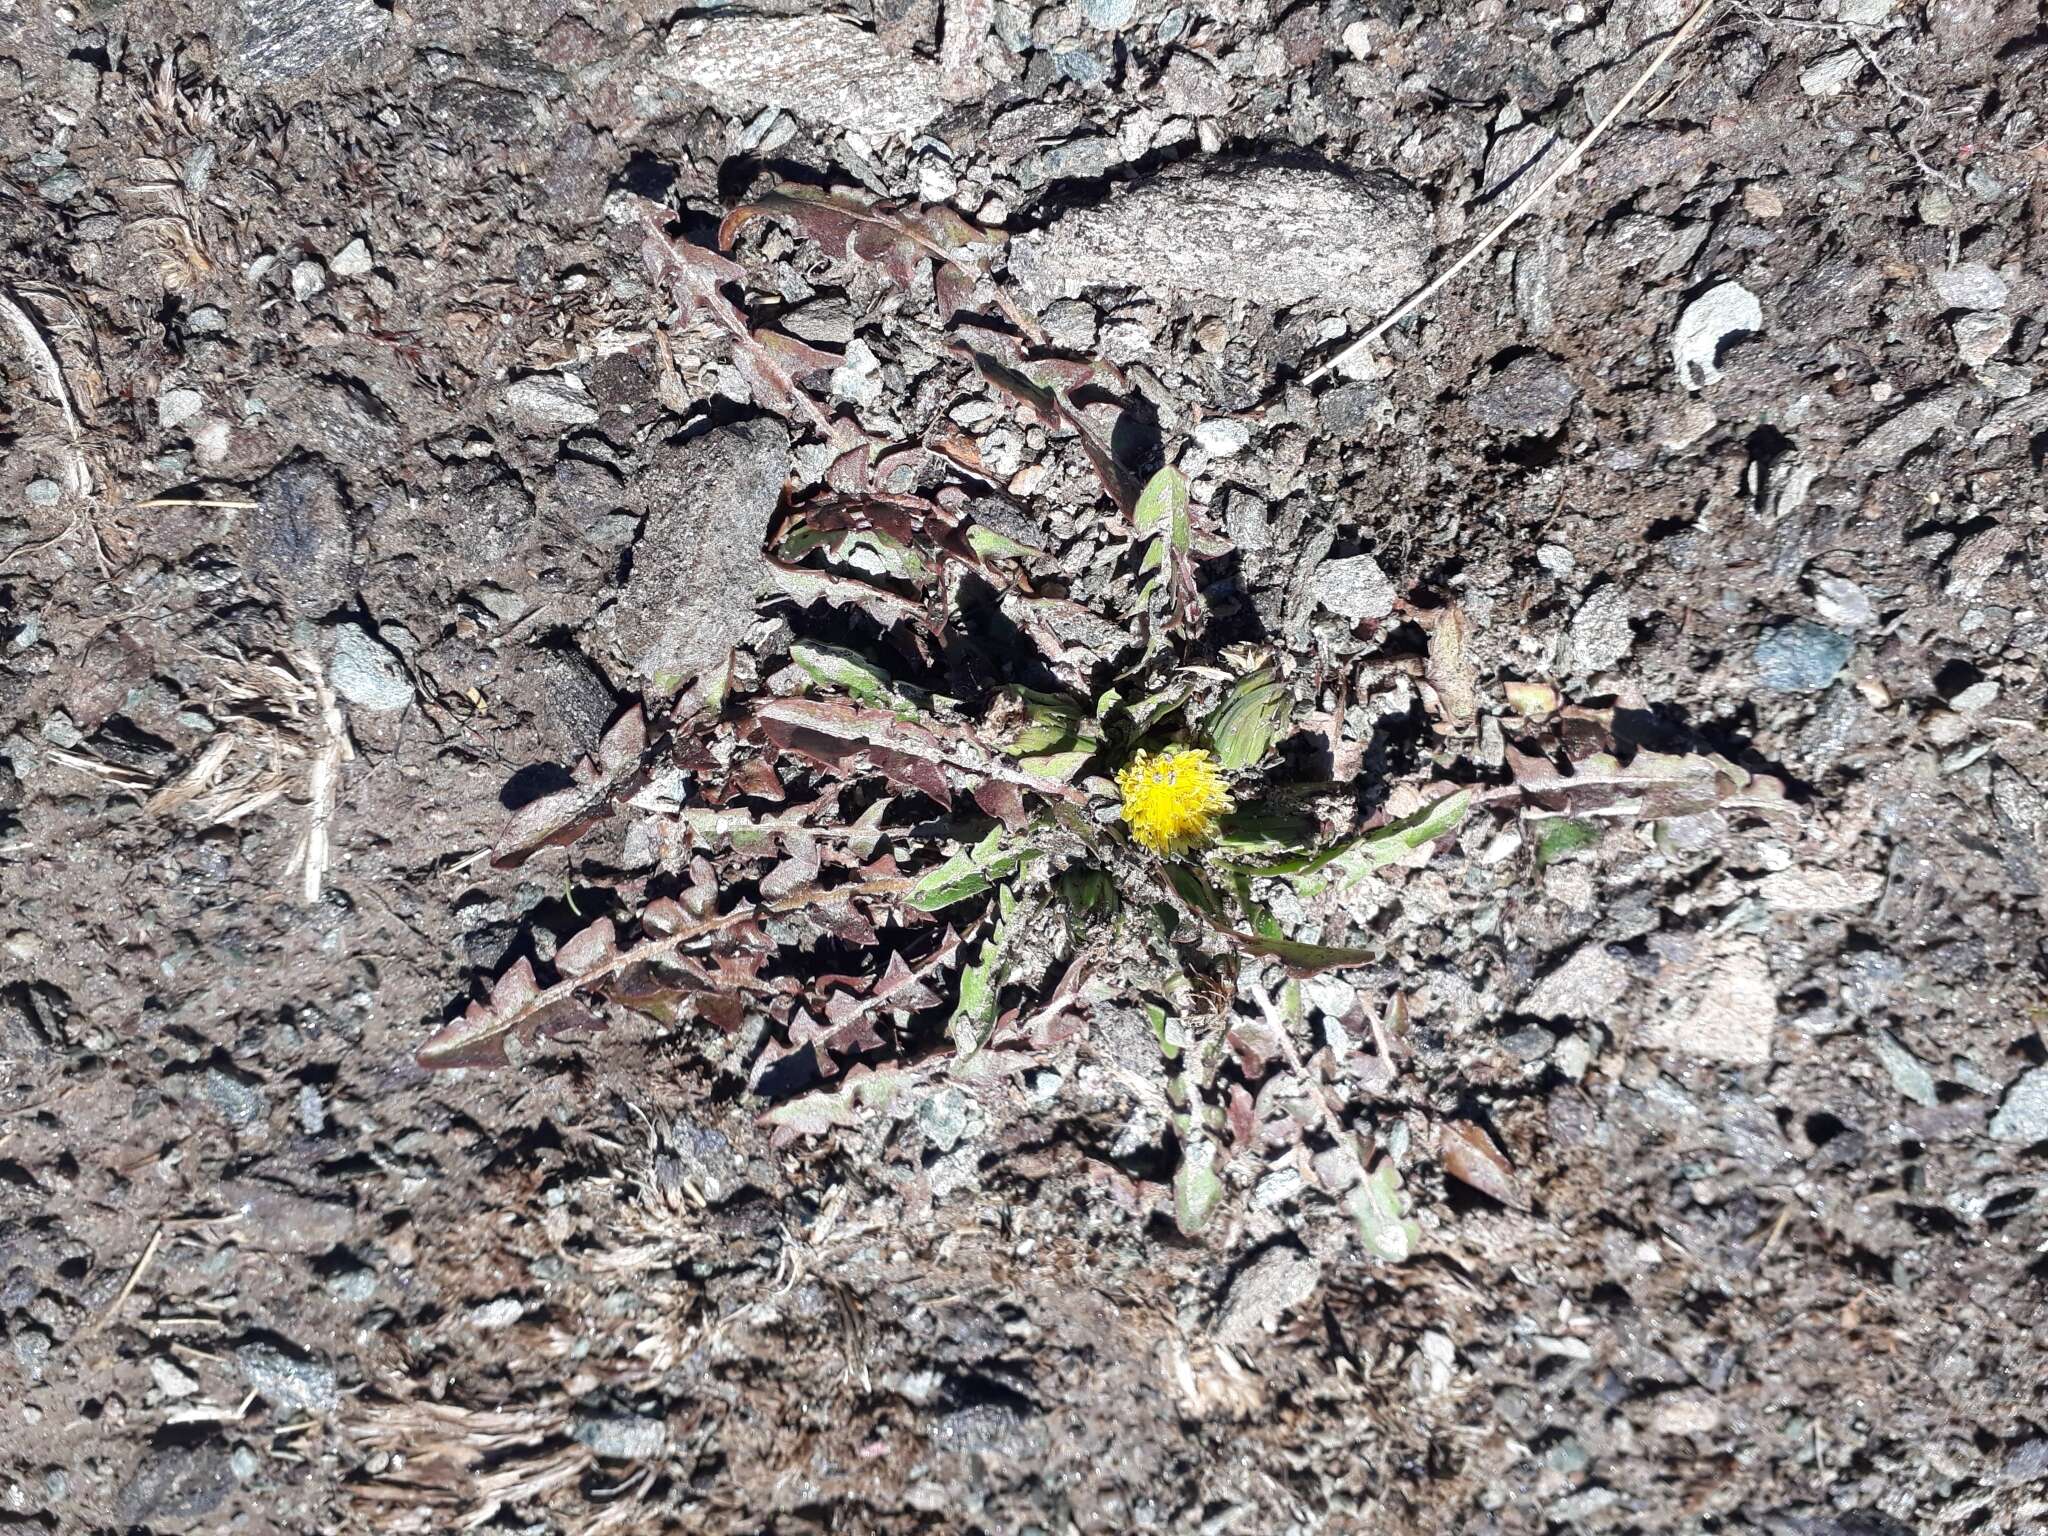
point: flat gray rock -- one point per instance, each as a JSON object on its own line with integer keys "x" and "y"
{"x": 365, "y": 672}
{"x": 1272, "y": 234}
{"x": 698, "y": 563}
{"x": 2024, "y": 1114}
{"x": 818, "y": 68}
{"x": 1354, "y": 588}
{"x": 1275, "y": 1282}
{"x": 288, "y": 40}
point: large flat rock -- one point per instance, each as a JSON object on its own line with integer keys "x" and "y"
{"x": 1272, "y": 234}
{"x": 818, "y": 68}
{"x": 698, "y": 563}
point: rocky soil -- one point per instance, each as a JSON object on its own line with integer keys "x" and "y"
{"x": 357, "y": 478}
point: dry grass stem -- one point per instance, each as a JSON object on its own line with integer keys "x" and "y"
{"x": 1542, "y": 190}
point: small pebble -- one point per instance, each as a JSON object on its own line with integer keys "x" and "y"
{"x": 1972, "y": 285}
{"x": 1221, "y": 437}
{"x": 352, "y": 260}
{"x": 309, "y": 278}
{"x": 365, "y": 672}
{"x": 175, "y": 407}
{"x": 1801, "y": 657}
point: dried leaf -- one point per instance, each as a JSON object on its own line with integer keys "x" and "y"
{"x": 770, "y": 363}
{"x": 1470, "y": 1156}
{"x": 843, "y": 737}
{"x": 892, "y": 238}
{"x": 587, "y": 950}
{"x": 1449, "y": 669}
{"x": 1652, "y": 786}
{"x": 814, "y": 1114}
{"x": 517, "y": 1007}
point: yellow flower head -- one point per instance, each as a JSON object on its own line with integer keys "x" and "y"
{"x": 1172, "y": 798}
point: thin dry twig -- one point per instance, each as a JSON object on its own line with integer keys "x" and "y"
{"x": 311, "y": 858}
{"x": 50, "y": 375}
{"x": 1542, "y": 190}
{"x": 156, "y": 1241}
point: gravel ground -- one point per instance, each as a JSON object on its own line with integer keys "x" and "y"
{"x": 348, "y": 440}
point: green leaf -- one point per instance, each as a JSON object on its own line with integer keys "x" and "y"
{"x": 990, "y": 545}
{"x": 836, "y": 667}
{"x": 1197, "y": 1191}
{"x": 970, "y": 872}
{"x": 1192, "y": 887}
{"x": 1056, "y": 738}
{"x": 1155, "y": 707}
{"x": 1378, "y": 1206}
{"x": 1255, "y": 829}
{"x": 1346, "y": 865}
{"x": 1302, "y": 959}
{"x": 1088, "y": 892}
{"x": 1246, "y": 723}
{"x": 1163, "y": 507}
{"x": 1564, "y": 836}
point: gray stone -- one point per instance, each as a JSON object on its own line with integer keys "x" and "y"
{"x": 1277, "y": 1281}
{"x": 237, "y": 1102}
{"x": 1110, "y": 15}
{"x": 62, "y": 187}
{"x": 620, "y": 1436}
{"x": 1271, "y": 234}
{"x": 293, "y": 39}
{"x": 1730, "y": 1013}
{"x": 1725, "y": 310}
{"x": 309, "y": 279}
{"x": 1354, "y": 588}
{"x": 942, "y": 1116}
{"x": 43, "y": 493}
{"x": 275, "y": 1219}
{"x": 818, "y": 68}
{"x": 1972, "y": 285}
{"x": 1071, "y": 323}
{"x": 175, "y": 407}
{"x": 352, "y": 260}
{"x": 1587, "y": 986}
{"x": 551, "y": 400}
{"x": 171, "y": 1379}
{"x": 1220, "y": 436}
{"x": 1841, "y": 601}
{"x": 698, "y": 563}
{"x": 1801, "y": 657}
{"x": 288, "y": 1382}
{"x": 1347, "y": 412}
{"x": 354, "y": 1285}
{"x": 297, "y": 541}
{"x": 1531, "y": 397}
{"x": 1830, "y": 74}
{"x": 993, "y": 1429}
{"x": 1601, "y": 634}
{"x": 366, "y": 672}
{"x": 1080, "y": 66}
{"x": 175, "y": 1483}
{"x": 1193, "y": 87}
{"x": 1908, "y": 1072}
{"x": 1980, "y": 337}
{"x": 2024, "y": 1114}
